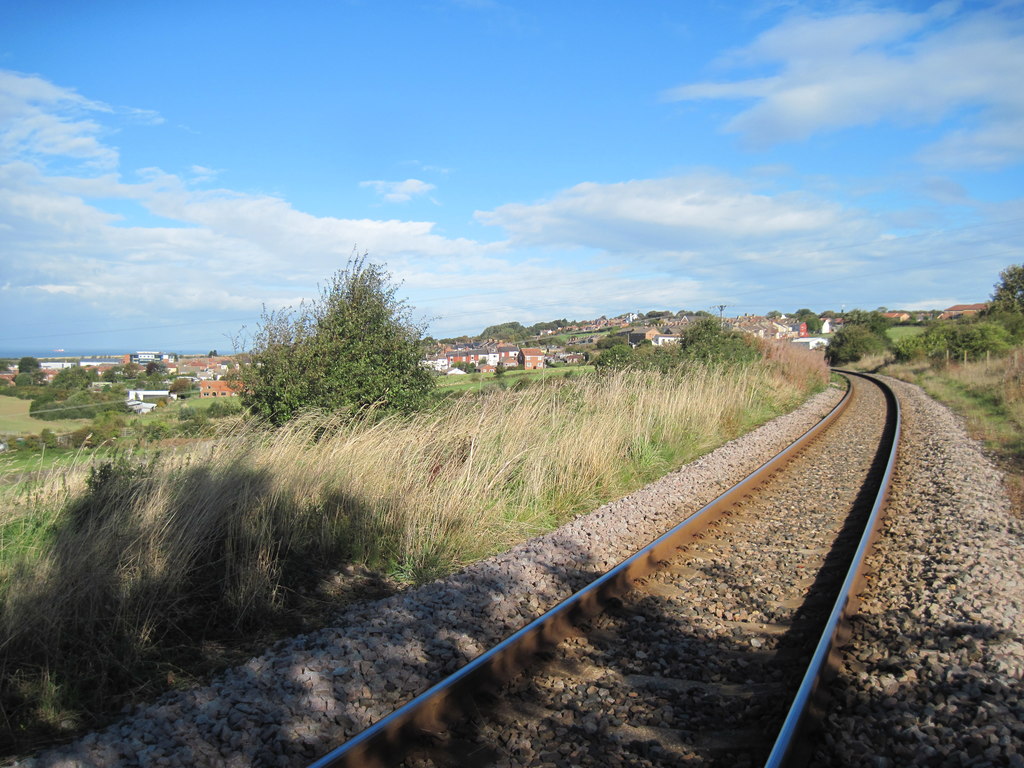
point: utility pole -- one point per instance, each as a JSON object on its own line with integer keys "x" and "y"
{"x": 721, "y": 318}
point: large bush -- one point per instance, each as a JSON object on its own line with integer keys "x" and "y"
{"x": 355, "y": 348}
{"x": 959, "y": 339}
{"x": 705, "y": 342}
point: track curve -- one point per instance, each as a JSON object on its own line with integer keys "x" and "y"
{"x": 745, "y": 619}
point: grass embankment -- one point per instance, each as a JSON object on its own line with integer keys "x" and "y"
{"x": 14, "y": 419}
{"x": 989, "y": 395}
{"x": 108, "y": 577}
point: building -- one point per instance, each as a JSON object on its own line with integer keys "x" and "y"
{"x": 530, "y": 358}
{"x": 218, "y": 388}
{"x": 962, "y": 310}
{"x": 146, "y": 357}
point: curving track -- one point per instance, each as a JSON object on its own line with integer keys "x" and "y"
{"x": 698, "y": 664}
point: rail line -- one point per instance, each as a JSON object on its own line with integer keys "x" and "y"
{"x": 709, "y": 644}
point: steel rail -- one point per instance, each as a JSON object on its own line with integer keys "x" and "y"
{"x": 805, "y": 710}
{"x": 432, "y": 711}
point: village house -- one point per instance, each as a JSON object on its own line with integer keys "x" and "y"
{"x": 508, "y": 355}
{"x": 531, "y": 358}
{"x": 218, "y": 388}
{"x": 662, "y": 339}
{"x": 962, "y": 310}
{"x": 439, "y": 364}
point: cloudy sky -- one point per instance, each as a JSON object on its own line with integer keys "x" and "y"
{"x": 169, "y": 169}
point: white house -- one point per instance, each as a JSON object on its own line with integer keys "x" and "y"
{"x": 141, "y": 394}
{"x": 811, "y": 342}
{"x": 439, "y": 364}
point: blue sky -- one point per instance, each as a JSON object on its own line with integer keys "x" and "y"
{"x": 169, "y": 169}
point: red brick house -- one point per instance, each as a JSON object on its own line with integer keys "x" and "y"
{"x": 531, "y": 358}
{"x": 218, "y": 389}
{"x": 961, "y": 310}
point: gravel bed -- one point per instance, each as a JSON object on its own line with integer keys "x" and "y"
{"x": 939, "y": 666}
{"x": 933, "y": 675}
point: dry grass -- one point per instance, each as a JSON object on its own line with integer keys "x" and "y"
{"x": 989, "y": 395}
{"x": 138, "y": 556}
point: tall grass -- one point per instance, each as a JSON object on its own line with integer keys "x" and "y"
{"x": 139, "y": 555}
{"x": 989, "y": 395}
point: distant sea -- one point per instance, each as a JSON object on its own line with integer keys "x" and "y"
{"x": 53, "y": 354}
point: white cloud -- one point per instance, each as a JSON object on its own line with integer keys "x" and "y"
{"x": 674, "y": 214}
{"x": 860, "y": 69}
{"x": 70, "y": 237}
{"x": 202, "y": 173}
{"x": 399, "y": 191}
{"x": 40, "y": 118}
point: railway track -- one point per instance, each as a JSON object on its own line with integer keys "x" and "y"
{"x": 690, "y": 651}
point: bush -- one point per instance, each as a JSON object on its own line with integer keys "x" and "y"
{"x": 971, "y": 339}
{"x": 226, "y": 407}
{"x": 354, "y": 349}
{"x": 706, "y": 342}
{"x": 852, "y": 342}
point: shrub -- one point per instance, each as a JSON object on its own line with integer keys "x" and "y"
{"x": 852, "y": 342}
{"x": 353, "y": 349}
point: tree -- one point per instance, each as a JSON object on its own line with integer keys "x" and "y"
{"x": 616, "y": 357}
{"x": 875, "y": 321}
{"x": 74, "y": 378}
{"x": 1009, "y": 291}
{"x": 354, "y": 348}
{"x": 708, "y": 341}
{"x": 28, "y": 365}
{"x": 809, "y": 317}
{"x": 513, "y": 331}
{"x": 31, "y": 366}
{"x": 610, "y": 340}
{"x": 854, "y": 341}
{"x": 180, "y": 386}
{"x": 212, "y": 353}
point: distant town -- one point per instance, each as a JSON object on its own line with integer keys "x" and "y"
{"x": 545, "y": 344}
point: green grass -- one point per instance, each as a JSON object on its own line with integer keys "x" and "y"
{"x": 474, "y": 382}
{"x": 898, "y": 332}
{"x": 14, "y": 419}
{"x": 989, "y": 397}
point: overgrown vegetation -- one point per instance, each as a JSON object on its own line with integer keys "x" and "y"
{"x": 355, "y": 348}
{"x": 706, "y": 342}
{"x": 862, "y": 334}
{"x": 976, "y": 366}
{"x": 107, "y": 574}
{"x": 989, "y": 395}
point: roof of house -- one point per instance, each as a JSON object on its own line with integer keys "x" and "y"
{"x": 967, "y": 307}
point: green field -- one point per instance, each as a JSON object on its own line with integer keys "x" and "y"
{"x": 14, "y": 419}
{"x": 476, "y": 381}
{"x": 897, "y": 332}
